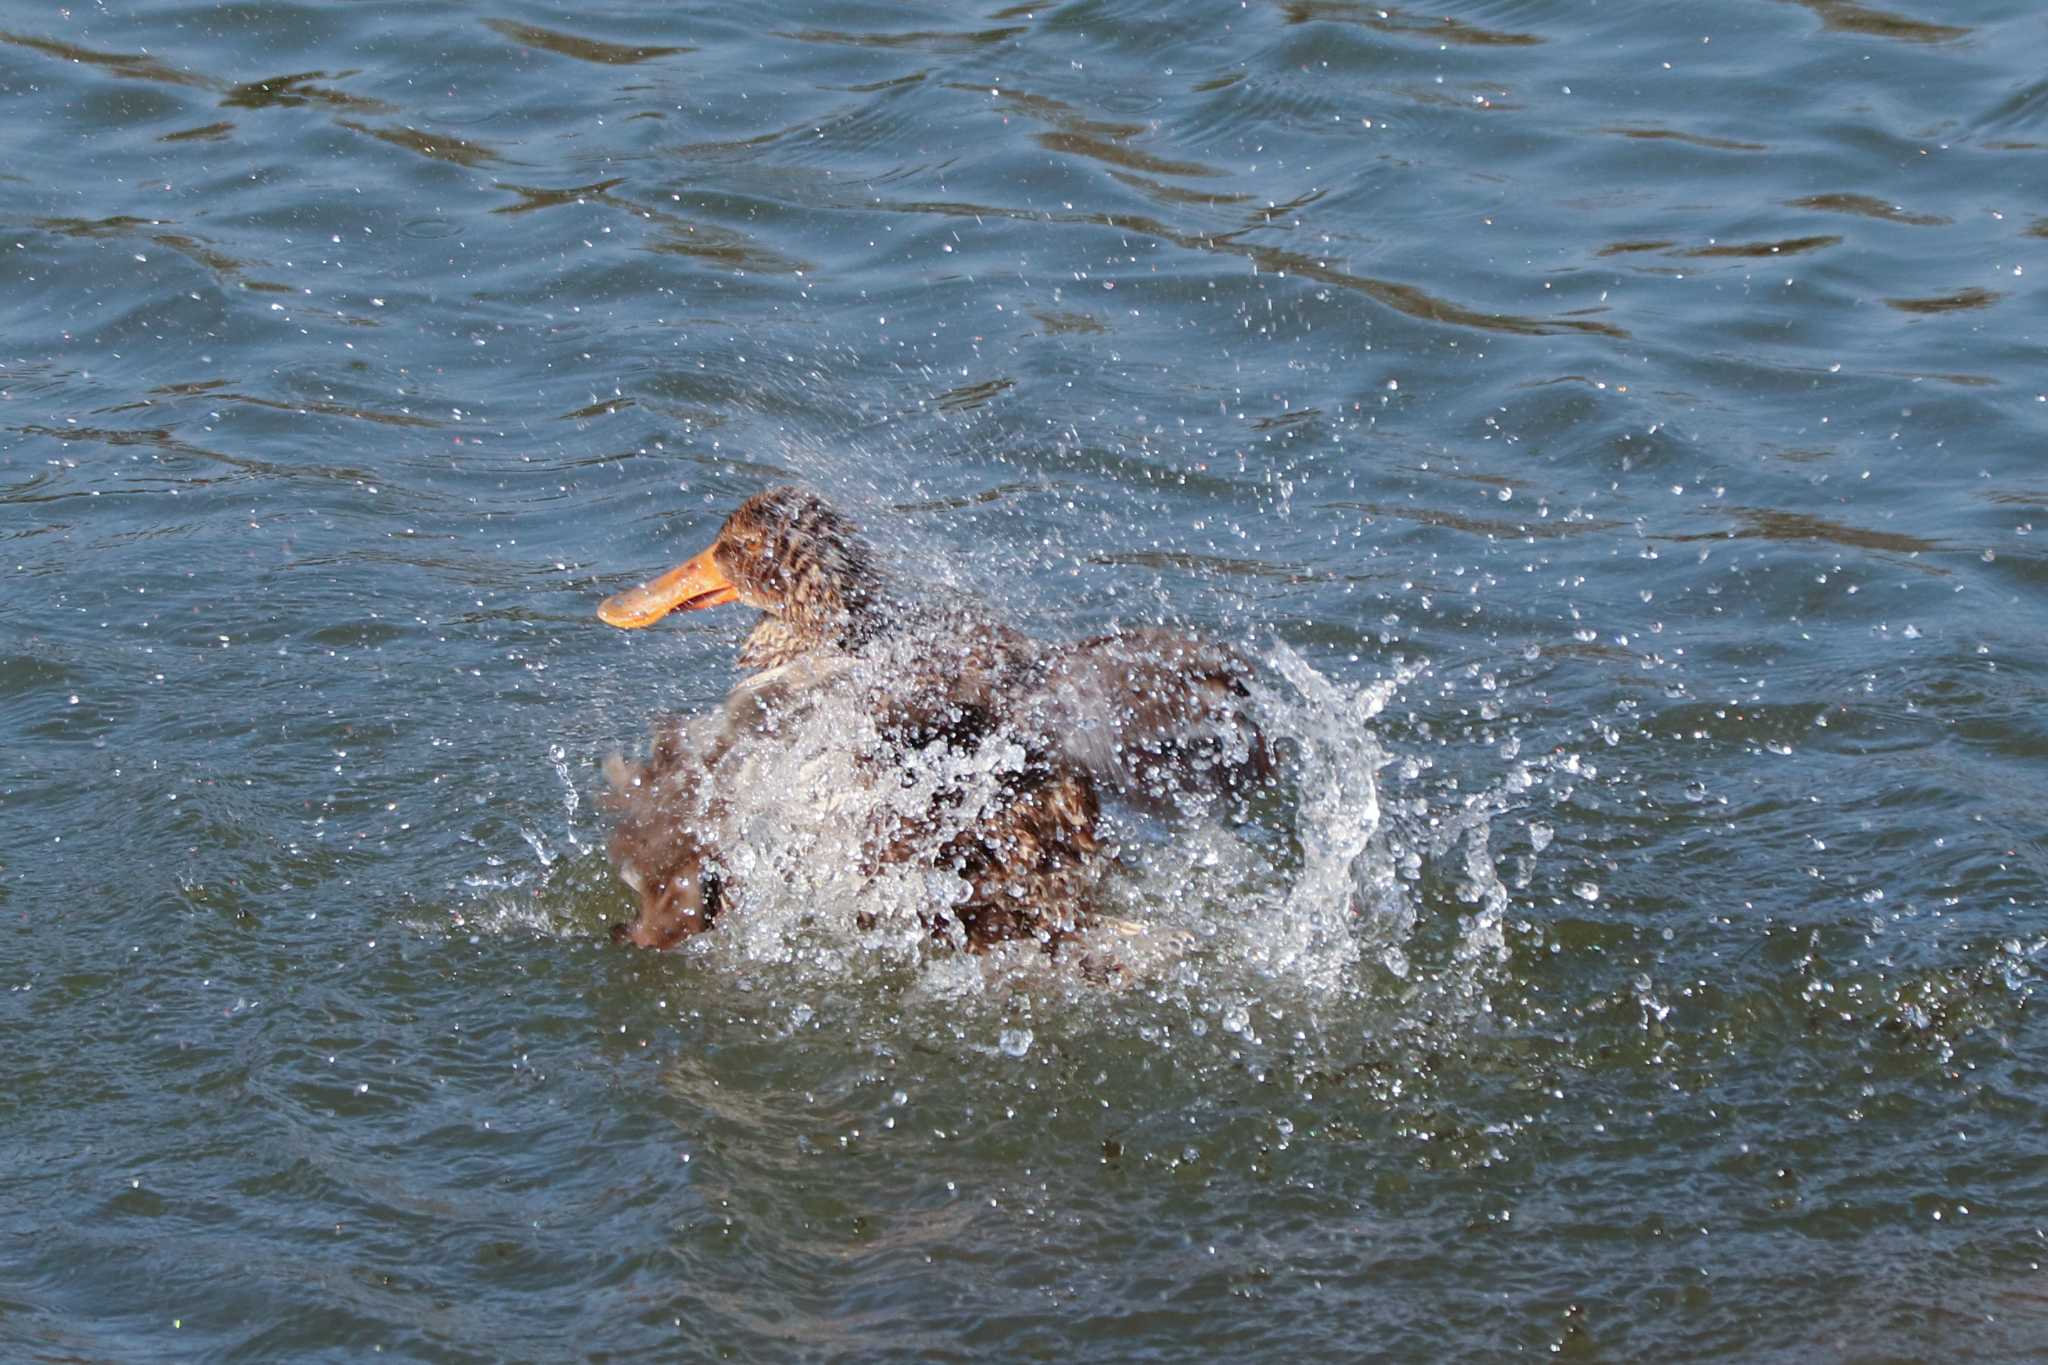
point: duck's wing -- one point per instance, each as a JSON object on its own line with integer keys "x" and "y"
{"x": 656, "y": 844}
{"x": 1156, "y": 713}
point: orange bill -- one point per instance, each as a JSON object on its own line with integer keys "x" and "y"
{"x": 687, "y": 587}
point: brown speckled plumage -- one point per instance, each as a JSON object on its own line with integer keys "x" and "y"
{"x": 772, "y": 643}
{"x": 1029, "y": 865}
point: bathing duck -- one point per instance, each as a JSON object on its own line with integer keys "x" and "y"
{"x": 1151, "y": 715}
{"x": 941, "y": 678}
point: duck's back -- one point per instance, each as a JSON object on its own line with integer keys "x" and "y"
{"x": 1157, "y": 713}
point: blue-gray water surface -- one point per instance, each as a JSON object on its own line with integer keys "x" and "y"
{"x": 1617, "y": 428}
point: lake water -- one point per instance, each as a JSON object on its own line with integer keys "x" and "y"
{"x": 1618, "y": 429}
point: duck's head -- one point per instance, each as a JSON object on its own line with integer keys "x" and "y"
{"x": 786, "y": 552}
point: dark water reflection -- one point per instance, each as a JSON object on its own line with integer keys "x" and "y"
{"x": 1649, "y": 399}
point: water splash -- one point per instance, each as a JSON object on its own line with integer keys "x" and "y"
{"x": 1344, "y": 902}
{"x": 1288, "y": 891}
{"x": 1249, "y": 920}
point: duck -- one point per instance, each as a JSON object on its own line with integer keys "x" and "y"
{"x": 1150, "y": 715}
